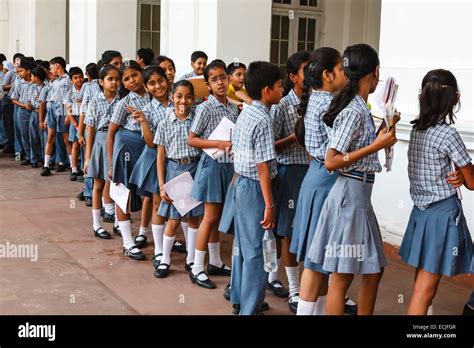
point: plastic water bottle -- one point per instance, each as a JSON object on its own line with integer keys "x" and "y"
{"x": 269, "y": 252}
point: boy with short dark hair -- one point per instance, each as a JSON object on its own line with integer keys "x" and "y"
{"x": 255, "y": 166}
{"x": 145, "y": 56}
{"x": 198, "y": 63}
{"x": 236, "y": 90}
{"x": 112, "y": 57}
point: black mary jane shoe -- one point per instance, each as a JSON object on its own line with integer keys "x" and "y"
{"x": 80, "y": 196}
{"x": 88, "y": 201}
{"x": 108, "y": 218}
{"x": 278, "y": 291}
{"x": 60, "y": 168}
{"x": 156, "y": 259}
{"x": 45, "y": 171}
{"x": 350, "y": 307}
{"x": 102, "y": 233}
{"x": 140, "y": 241}
{"x": 116, "y": 231}
{"x": 73, "y": 176}
{"x": 25, "y": 162}
{"x": 162, "y": 272}
{"x": 218, "y": 271}
{"x": 179, "y": 247}
{"x": 208, "y": 284}
{"x": 189, "y": 266}
{"x": 293, "y": 303}
{"x": 139, "y": 256}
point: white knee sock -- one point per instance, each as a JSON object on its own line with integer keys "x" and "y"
{"x": 47, "y": 158}
{"x": 143, "y": 231}
{"x": 74, "y": 169}
{"x": 126, "y": 229}
{"x": 215, "y": 254}
{"x": 95, "y": 218}
{"x": 430, "y": 310}
{"x": 167, "y": 246}
{"x": 185, "y": 227}
{"x": 305, "y": 307}
{"x": 198, "y": 266}
{"x": 116, "y": 223}
{"x": 191, "y": 244}
{"x": 320, "y": 307}
{"x": 274, "y": 275}
{"x": 109, "y": 208}
{"x": 292, "y": 274}
{"x": 158, "y": 231}
{"x": 70, "y": 159}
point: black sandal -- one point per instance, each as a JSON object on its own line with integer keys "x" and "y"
{"x": 162, "y": 272}
{"x": 134, "y": 256}
{"x": 140, "y": 241}
{"x": 102, "y": 233}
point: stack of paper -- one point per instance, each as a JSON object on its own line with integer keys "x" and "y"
{"x": 223, "y": 131}
{"x": 120, "y": 193}
{"x": 179, "y": 191}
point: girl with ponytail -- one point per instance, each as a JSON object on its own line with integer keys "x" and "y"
{"x": 347, "y": 240}
{"x": 293, "y": 163}
{"x": 323, "y": 77}
{"x": 437, "y": 241}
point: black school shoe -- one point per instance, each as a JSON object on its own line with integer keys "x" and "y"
{"x": 162, "y": 272}
{"x": 218, "y": 271}
{"x": 179, "y": 247}
{"x": 278, "y": 291}
{"x": 60, "y": 168}
{"x": 156, "y": 260}
{"x": 45, "y": 171}
{"x": 80, "y": 196}
{"x": 139, "y": 256}
{"x": 108, "y": 218}
{"x": 236, "y": 308}
{"x": 116, "y": 231}
{"x": 350, "y": 307}
{"x": 35, "y": 165}
{"x": 73, "y": 177}
{"x": 468, "y": 310}
{"x": 227, "y": 292}
{"x": 25, "y": 162}
{"x": 88, "y": 201}
{"x": 140, "y": 240}
{"x": 208, "y": 284}
{"x": 293, "y": 302}
{"x": 102, "y": 233}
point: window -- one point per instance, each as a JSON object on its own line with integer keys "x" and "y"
{"x": 295, "y": 27}
{"x": 149, "y": 22}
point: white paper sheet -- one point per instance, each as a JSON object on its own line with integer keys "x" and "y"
{"x": 120, "y": 193}
{"x": 223, "y": 131}
{"x": 179, "y": 190}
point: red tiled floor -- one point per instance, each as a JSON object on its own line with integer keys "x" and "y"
{"x": 77, "y": 273}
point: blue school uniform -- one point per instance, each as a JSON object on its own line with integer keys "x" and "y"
{"x": 292, "y": 164}
{"x": 437, "y": 238}
{"x": 253, "y": 143}
{"x": 56, "y": 120}
{"x": 98, "y": 116}
{"x": 318, "y": 181}
{"x": 22, "y": 93}
{"x": 35, "y": 133}
{"x": 17, "y": 86}
{"x": 44, "y": 97}
{"x": 347, "y": 237}
{"x": 128, "y": 143}
{"x": 172, "y": 134}
{"x": 144, "y": 174}
{"x": 7, "y": 111}
{"x": 213, "y": 176}
{"x": 72, "y": 99}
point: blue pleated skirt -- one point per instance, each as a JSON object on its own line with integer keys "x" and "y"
{"x": 438, "y": 240}
{"x": 287, "y": 187}
{"x": 174, "y": 169}
{"x": 347, "y": 237}
{"x": 212, "y": 180}
{"x": 128, "y": 146}
{"x": 99, "y": 163}
{"x": 313, "y": 193}
{"x": 144, "y": 175}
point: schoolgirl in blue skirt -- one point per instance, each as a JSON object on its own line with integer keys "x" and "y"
{"x": 175, "y": 157}
{"x": 213, "y": 176}
{"x": 144, "y": 174}
{"x": 347, "y": 240}
{"x": 323, "y": 76}
{"x": 125, "y": 145}
{"x": 96, "y": 164}
{"x": 437, "y": 240}
{"x": 292, "y": 166}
